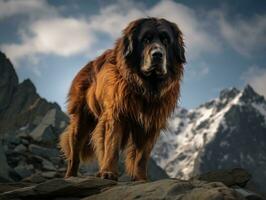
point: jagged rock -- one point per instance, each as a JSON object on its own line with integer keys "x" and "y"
{"x": 99, "y": 189}
{"x": 8, "y": 82}
{"x": 20, "y": 104}
{"x": 43, "y": 133}
{"x": 46, "y": 131}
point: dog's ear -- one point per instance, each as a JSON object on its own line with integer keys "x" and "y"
{"x": 180, "y": 43}
{"x": 182, "y": 57}
{"x": 129, "y": 36}
{"x": 128, "y": 45}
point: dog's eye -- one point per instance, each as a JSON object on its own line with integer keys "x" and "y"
{"x": 165, "y": 40}
{"x": 147, "y": 39}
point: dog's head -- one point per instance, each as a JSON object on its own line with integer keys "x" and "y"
{"x": 154, "y": 48}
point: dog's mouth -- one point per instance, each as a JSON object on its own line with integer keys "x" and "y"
{"x": 154, "y": 70}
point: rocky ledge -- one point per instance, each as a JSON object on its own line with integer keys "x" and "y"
{"x": 221, "y": 185}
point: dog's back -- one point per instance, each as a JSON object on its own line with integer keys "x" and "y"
{"x": 79, "y": 111}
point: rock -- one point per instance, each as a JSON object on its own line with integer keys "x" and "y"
{"x": 46, "y": 132}
{"x": 20, "y": 148}
{"x": 21, "y": 107}
{"x": 49, "y": 175}
{"x": 48, "y": 165}
{"x": 23, "y": 169}
{"x": 233, "y": 177}
{"x": 43, "y": 152}
{"x": 26, "y": 142}
{"x": 4, "y": 168}
{"x": 8, "y": 81}
{"x": 99, "y": 189}
{"x": 43, "y": 133}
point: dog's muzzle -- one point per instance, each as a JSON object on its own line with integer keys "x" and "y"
{"x": 155, "y": 61}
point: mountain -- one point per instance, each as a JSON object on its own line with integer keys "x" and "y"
{"x": 29, "y": 130}
{"x": 227, "y": 132}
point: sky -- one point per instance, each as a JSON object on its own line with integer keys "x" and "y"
{"x": 50, "y": 41}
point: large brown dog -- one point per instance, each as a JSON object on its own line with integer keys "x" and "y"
{"x": 122, "y": 99}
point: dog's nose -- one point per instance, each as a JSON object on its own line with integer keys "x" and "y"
{"x": 156, "y": 54}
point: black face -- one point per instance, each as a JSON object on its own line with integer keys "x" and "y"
{"x": 156, "y": 48}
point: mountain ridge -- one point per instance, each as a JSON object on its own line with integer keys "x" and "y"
{"x": 208, "y": 137}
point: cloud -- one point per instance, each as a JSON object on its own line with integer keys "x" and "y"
{"x": 26, "y": 7}
{"x": 246, "y": 35}
{"x": 59, "y": 36}
{"x": 66, "y": 36}
{"x": 197, "y": 71}
{"x": 256, "y": 77}
{"x": 197, "y": 38}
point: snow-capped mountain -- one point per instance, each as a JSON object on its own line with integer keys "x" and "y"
{"x": 229, "y": 131}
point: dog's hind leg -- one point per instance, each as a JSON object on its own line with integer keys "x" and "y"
{"x": 74, "y": 140}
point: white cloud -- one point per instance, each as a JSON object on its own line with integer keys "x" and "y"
{"x": 256, "y": 77}
{"x": 10, "y": 8}
{"x": 246, "y": 36}
{"x": 68, "y": 36}
{"x": 59, "y": 36}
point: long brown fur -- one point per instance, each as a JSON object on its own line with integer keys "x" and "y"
{"x": 110, "y": 110}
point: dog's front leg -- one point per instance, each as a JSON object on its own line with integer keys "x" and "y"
{"x": 112, "y": 140}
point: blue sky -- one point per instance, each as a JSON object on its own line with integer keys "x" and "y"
{"x": 49, "y": 41}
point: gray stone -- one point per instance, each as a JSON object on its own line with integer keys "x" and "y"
{"x": 20, "y": 148}
{"x": 43, "y": 133}
{"x": 47, "y": 165}
{"x": 43, "y": 152}
{"x": 49, "y": 174}
{"x": 26, "y": 142}
{"x": 23, "y": 170}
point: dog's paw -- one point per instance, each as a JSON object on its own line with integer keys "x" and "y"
{"x": 135, "y": 178}
{"x": 107, "y": 175}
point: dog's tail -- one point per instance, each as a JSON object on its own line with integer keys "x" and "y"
{"x": 86, "y": 153}
{"x": 64, "y": 143}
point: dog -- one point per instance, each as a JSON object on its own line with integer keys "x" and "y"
{"x": 120, "y": 101}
